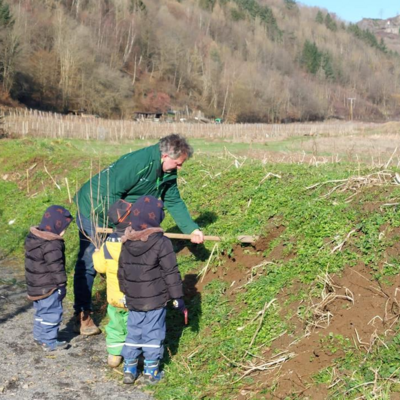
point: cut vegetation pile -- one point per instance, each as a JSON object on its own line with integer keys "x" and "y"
{"x": 308, "y": 311}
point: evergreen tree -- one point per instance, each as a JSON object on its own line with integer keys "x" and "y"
{"x": 330, "y": 23}
{"x": 254, "y": 9}
{"x": 9, "y": 48}
{"x": 382, "y": 46}
{"x": 290, "y": 4}
{"x": 319, "y": 18}
{"x": 6, "y": 18}
{"x": 368, "y": 37}
{"x": 237, "y": 15}
{"x": 327, "y": 66}
{"x": 311, "y": 57}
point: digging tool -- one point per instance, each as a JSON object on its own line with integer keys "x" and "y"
{"x": 183, "y": 236}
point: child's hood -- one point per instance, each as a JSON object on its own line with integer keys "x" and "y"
{"x": 36, "y": 237}
{"x": 44, "y": 234}
{"x": 139, "y": 242}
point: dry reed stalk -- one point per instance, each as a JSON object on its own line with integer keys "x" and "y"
{"x": 340, "y": 245}
{"x": 203, "y": 272}
{"x": 253, "y": 274}
{"x": 266, "y": 306}
{"x": 57, "y": 125}
{"x": 97, "y": 238}
{"x": 320, "y": 317}
{"x": 54, "y": 181}
{"x": 272, "y": 364}
{"x": 357, "y": 183}
{"x": 267, "y": 177}
{"x": 69, "y": 193}
{"x": 391, "y": 157}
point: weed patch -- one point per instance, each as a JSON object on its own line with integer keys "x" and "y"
{"x": 291, "y": 315}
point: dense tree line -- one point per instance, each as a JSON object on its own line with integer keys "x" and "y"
{"x": 242, "y": 60}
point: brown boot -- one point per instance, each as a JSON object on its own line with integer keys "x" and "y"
{"x": 77, "y": 323}
{"x": 114, "y": 361}
{"x": 88, "y": 327}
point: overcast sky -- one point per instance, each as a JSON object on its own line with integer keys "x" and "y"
{"x": 356, "y": 10}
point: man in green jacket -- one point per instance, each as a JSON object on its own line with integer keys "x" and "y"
{"x": 149, "y": 171}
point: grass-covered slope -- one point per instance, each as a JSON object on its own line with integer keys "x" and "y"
{"x": 325, "y": 232}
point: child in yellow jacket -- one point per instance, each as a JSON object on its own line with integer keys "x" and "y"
{"x": 105, "y": 261}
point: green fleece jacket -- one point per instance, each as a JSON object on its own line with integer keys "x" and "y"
{"x": 133, "y": 175}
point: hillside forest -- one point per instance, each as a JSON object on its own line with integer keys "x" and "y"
{"x": 240, "y": 60}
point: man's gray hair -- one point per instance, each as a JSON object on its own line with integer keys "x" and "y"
{"x": 175, "y": 145}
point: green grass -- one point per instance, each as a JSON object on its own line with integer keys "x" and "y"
{"x": 202, "y": 359}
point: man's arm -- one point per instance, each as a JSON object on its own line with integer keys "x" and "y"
{"x": 179, "y": 212}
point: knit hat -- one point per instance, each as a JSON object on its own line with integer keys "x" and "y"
{"x": 56, "y": 219}
{"x": 118, "y": 214}
{"x": 147, "y": 212}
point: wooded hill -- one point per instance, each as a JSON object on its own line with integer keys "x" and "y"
{"x": 241, "y": 60}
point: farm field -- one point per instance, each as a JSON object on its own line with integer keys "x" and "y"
{"x": 309, "y": 311}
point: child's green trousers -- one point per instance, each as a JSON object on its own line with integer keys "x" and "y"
{"x": 116, "y": 329}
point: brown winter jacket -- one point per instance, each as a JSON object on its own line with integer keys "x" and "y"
{"x": 44, "y": 263}
{"x": 148, "y": 272}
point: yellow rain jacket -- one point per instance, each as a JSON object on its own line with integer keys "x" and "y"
{"x": 106, "y": 262}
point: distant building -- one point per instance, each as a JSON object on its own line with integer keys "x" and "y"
{"x": 140, "y": 116}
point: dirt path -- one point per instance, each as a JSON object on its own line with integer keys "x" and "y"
{"x": 28, "y": 373}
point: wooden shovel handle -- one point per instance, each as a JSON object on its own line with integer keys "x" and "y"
{"x": 185, "y": 236}
{"x": 242, "y": 238}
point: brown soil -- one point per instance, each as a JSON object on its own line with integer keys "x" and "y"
{"x": 374, "y": 311}
{"x": 238, "y": 267}
{"x": 313, "y": 343}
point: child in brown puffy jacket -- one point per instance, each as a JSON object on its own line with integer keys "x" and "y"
{"x": 45, "y": 275}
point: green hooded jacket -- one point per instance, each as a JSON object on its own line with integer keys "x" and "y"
{"x": 135, "y": 174}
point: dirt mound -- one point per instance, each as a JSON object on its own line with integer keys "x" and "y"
{"x": 239, "y": 265}
{"x": 350, "y": 314}
{"x": 346, "y": 312}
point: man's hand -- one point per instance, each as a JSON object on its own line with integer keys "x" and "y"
{"x": 197, "y": 236}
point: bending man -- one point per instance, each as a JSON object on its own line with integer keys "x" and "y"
{"x": 149, "y": 171}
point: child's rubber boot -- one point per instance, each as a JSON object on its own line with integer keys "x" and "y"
{"x": 152, "y": 373}
{"x": 114, "y": 361}
{"x": 130, "y": 371}
{"x": 54, "y": 346}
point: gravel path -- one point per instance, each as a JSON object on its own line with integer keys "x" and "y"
{"x": 28, "y": 373}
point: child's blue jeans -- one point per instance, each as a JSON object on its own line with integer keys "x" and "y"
{"x": 48, "y": 316}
